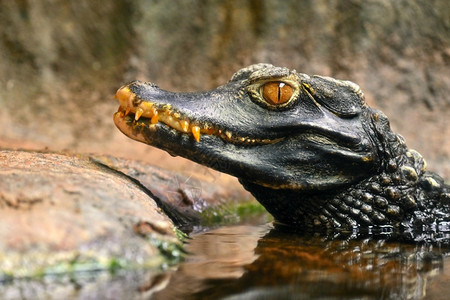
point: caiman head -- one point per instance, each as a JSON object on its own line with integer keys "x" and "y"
{"x": 268, "y": 126}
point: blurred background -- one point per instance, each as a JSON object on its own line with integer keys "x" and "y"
{"x": 62, "y": 61}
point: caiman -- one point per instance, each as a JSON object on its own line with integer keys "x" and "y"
{"x": 309, "y": 149}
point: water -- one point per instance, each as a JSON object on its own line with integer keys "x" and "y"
{"x": 263, "y": 262}
{"x": 260, "y": 261}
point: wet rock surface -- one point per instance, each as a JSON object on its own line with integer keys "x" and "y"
{"x": 61, "y": 213}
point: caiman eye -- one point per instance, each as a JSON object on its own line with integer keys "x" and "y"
{"x": 277, "y": 92}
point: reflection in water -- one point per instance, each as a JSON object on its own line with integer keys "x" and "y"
{"x": 255, "y": 262}
{"x": 215, "y": 256}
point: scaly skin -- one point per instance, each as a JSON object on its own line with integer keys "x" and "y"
{"x": 308, "y": 148}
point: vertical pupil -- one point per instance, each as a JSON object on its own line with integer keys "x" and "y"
{"x": 276, "y": 92}
{"x": 280, "y": 86}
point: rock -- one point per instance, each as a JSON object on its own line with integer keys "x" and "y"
{"x": 64, "y": 213}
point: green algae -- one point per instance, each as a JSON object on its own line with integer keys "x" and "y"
{"x": 159, "y": 254}
{"x": 249, "y": 211}
{"x": 40, "y": 265}
{"x": 181, "y": 236}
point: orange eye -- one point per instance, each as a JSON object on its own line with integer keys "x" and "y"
{"x": 277, "y": 92}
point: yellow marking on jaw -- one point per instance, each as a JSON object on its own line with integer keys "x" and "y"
{"x": 367, "y": 158}
{"x": 146, "y": 105}
{"x": 125, "y": 97}
{"x": 310, "y": 89}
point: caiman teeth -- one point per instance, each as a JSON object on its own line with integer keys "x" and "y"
{"x": 138, "y": 113}
{"x": 184, "y": 125}
{"x": 154, "y": 114}
{"x": 130, "y": 103}
{"x": 196, "y": 132}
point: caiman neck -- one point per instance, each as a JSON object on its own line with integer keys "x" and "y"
{"x": 402, "y": 196}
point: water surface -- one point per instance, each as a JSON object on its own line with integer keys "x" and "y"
{"x": 260, "y": 261}
{"x": 263, "y": 262}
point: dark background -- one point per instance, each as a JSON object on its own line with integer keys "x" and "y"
{"x": 62, "y": 61}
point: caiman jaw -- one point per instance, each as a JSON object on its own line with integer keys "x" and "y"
{"x": 165, "y": 113}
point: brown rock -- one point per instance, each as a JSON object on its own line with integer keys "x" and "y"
{"x": 58, "y": 209}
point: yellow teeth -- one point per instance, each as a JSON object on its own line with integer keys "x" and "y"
{"x": 154, "y": 113}
{"x": 196, "y": 132}
{"x": 138, "y": 113}
{"x": 184, "y": 125}
{"x": 228, "y": 134}
{"x": 127, "y": 111}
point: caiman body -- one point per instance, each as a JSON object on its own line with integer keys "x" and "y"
{"x": 308, "y": 148}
